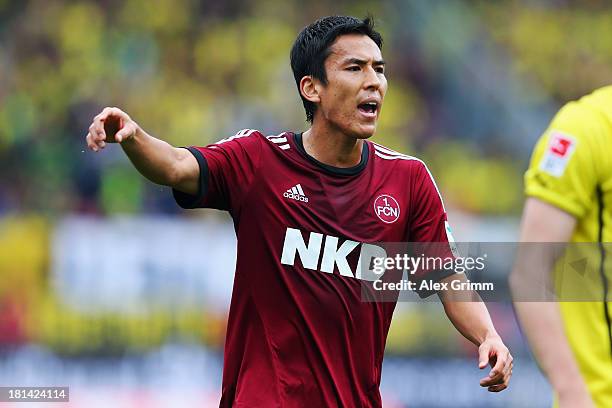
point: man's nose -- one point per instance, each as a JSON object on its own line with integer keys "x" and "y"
{"x": 372, "y": 80}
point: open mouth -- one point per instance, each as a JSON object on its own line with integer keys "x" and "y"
{"x": 368, "y": 108}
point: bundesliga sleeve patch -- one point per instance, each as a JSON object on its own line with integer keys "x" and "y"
{"x": 558, "y": 153}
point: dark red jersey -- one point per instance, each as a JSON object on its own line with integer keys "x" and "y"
{"x": 299, "y": 333}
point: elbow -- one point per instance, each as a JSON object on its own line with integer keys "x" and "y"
{"x": 514, "y": 282}
{"x": 168, "y": 175}
{"x": 172, "y": 177}
{"x": 519, "y": 279}
{"x": 530, "y": 285}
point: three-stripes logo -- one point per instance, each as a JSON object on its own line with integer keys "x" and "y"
{"x": 296, "y": 193}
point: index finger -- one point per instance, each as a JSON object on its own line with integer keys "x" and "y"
{"x": 500, "y": 365}
{"x": 492, "y": 380}
{"x": 97, "y": 126}
{"x": 496, "y": 376}
{"x": 104, "y": 114}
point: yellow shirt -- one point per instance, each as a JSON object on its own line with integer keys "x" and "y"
{"x": 571, "y": 168}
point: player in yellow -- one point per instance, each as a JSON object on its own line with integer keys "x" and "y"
{"x": 569, "y": 199}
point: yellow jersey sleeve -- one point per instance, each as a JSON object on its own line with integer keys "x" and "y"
{"x": 562, "y": 171}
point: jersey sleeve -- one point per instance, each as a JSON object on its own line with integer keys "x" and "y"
{"x": 227, "y": 169}
{"x": 429, "y": 231}
{"x": 562, "y": 170}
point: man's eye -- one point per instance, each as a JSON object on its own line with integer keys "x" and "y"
{"x": 353, "y": 68}
{"x": 380, "y": 70}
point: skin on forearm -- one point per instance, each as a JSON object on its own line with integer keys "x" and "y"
{"x": 468, "y": 313}
{"x": 153, "y": 158}
{"x": 541, "y": 321}
{"x": 162, "y": 163}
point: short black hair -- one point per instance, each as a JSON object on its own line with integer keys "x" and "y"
{"x": 312, "y": 47}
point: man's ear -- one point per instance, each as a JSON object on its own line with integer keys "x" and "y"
{"x": 310, "y": 88}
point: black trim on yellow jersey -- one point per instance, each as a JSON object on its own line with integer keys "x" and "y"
{"x": 602, "y": 270}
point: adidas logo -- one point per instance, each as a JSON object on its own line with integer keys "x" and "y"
{"x": 296, "y": 193}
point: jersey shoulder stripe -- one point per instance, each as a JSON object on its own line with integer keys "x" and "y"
{"x": 279, "y": 140}
{"x": 388, "y": 154}
{"x": 242, "y": 133}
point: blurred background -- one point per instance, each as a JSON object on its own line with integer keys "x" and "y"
{"x": 107, "y": 287}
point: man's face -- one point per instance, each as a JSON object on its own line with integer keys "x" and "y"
{"x": 356, "y": 86}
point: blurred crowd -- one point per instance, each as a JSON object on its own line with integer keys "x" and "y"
{"x": 472, "y": 85}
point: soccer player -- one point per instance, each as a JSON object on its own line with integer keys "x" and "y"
{"x": 569, "y": 189}
{"x": 304, "y": 205}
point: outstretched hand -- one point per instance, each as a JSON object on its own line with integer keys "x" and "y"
{"x": 112, "y": 125}
{"x": 493, "y": 352}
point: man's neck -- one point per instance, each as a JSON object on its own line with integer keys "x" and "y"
{"x": 332, "y": 147}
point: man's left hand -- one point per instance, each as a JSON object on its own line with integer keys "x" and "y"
{"x": 493, "y": 352}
